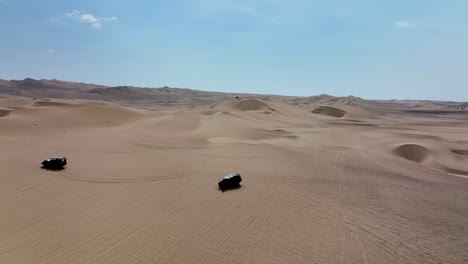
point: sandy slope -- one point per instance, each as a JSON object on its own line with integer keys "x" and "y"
{"x": 363, "y": 187}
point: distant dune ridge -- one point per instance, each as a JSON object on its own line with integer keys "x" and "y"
{"x": 325, "y": 179}
{"x": 73, "y": 90}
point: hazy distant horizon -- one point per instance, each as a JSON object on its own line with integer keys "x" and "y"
{"x": 229, "y": 92}
{"x": 379, "y": 50}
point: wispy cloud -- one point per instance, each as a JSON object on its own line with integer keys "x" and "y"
{"x": 403, "y": 24}
{"x": 51, "y": 51}
{"x": 92, "y": 20}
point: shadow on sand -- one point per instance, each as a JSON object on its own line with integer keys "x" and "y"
{"x": 52, "y": 169}
{"x": 231, "y": 189}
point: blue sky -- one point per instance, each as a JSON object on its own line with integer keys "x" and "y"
{"x": 388, "y": 49}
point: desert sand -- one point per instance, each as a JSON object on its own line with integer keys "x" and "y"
{"x": 325, "y": 180}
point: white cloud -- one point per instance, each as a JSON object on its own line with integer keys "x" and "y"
{"x": 96, "y": 25}
{"x": 82, "y": 53}
{"x": 74, "y": 14}
{"x": 403, "y": 24}
{"x": 51, "y": 51}
{"x": 88, "y": 18}
{"x": 92, "y": 20}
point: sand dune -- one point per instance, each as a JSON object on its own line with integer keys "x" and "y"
{"x": 420, "y": 154}
{"x": 349, "y": 108}
{"x": 329, "y": 111}
{"x": 413, "y": 152}
{"x": 243, "y": 104}
{"x": 369, "y": 182}
{"x": 51, "y": 117}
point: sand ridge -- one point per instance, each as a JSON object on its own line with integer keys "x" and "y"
{"x": 460, "y": 152}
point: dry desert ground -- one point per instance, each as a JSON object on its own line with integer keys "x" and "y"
{"x": 324, "y": 181}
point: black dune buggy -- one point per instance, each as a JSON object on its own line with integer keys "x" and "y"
{"x": 55, "y": 163}
{"x": 230, "y": 181}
